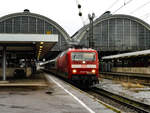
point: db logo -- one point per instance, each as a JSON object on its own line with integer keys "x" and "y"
{"x": 83, "y": 66}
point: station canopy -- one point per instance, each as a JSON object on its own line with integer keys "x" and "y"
{"x": 30, "y": 35}
{"x": 28, "y": 45}
{"x": 127, "y": 55}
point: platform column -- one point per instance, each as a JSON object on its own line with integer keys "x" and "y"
{"x": 4, "y": 63}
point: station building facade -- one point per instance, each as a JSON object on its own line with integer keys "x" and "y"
{"x": 115, "y": 33}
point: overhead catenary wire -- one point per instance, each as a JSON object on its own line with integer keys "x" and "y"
{"x": 146, "y": 16}
{"x": 84, "y": 19}
{"x": 140, "y": 7}
{"x": 112, "y": 5}
{"x": 125, "y": 3}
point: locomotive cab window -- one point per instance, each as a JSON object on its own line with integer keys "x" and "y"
{"x": 80, "y": 56}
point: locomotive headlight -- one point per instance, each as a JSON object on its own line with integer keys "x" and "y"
{"x": 83, "y": 62}
{"x": 93, "y": 71}
{"x": 74, "y": 70}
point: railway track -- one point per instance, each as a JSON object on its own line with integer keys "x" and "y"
{"x": 137, "y": 106}
{"x": 134, "y": 77}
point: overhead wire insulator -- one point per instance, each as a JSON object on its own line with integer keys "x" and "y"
{"x": 80, "y": 14}
{"x": 79, "y": 6}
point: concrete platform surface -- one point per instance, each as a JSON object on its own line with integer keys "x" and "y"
{"x": 73, "y": 100}
{"x": 130, "y": 90}
{"x": 58, "y": 97}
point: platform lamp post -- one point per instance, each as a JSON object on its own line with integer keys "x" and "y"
{"x": 91, "y": 42}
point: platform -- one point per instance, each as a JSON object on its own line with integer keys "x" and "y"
{"x": 36, "y": 80}
{"x": 72, "y": 100}
{"x": 58, "y": 97}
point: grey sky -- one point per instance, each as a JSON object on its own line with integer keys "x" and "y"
{"x": 65, "y": 12}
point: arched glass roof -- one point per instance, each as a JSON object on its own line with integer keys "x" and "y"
{"x": 116, "y": 32}
{"x": 31, "y": 23}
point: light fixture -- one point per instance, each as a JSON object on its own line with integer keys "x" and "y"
{"x": 41, "y": 47}
{"x": 41, "y": 43}
{"x": 83, "y": 62}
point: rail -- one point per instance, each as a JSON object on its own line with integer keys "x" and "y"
{"x": 138, "y": 106}
{"x": 127, "y": 74}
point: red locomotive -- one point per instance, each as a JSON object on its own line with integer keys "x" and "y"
{"x": 77, "y": 65}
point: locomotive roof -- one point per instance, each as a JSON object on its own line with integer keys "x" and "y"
{"x": 79, "y": 49}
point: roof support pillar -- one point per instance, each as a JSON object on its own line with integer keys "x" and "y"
{"x": 4, "y": 63}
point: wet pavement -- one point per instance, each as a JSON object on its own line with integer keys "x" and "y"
{"x": 137, "y": 91}
{"x": 51, "y": 99}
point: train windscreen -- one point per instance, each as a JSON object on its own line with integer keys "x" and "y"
{"x": 83, "y": 56}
